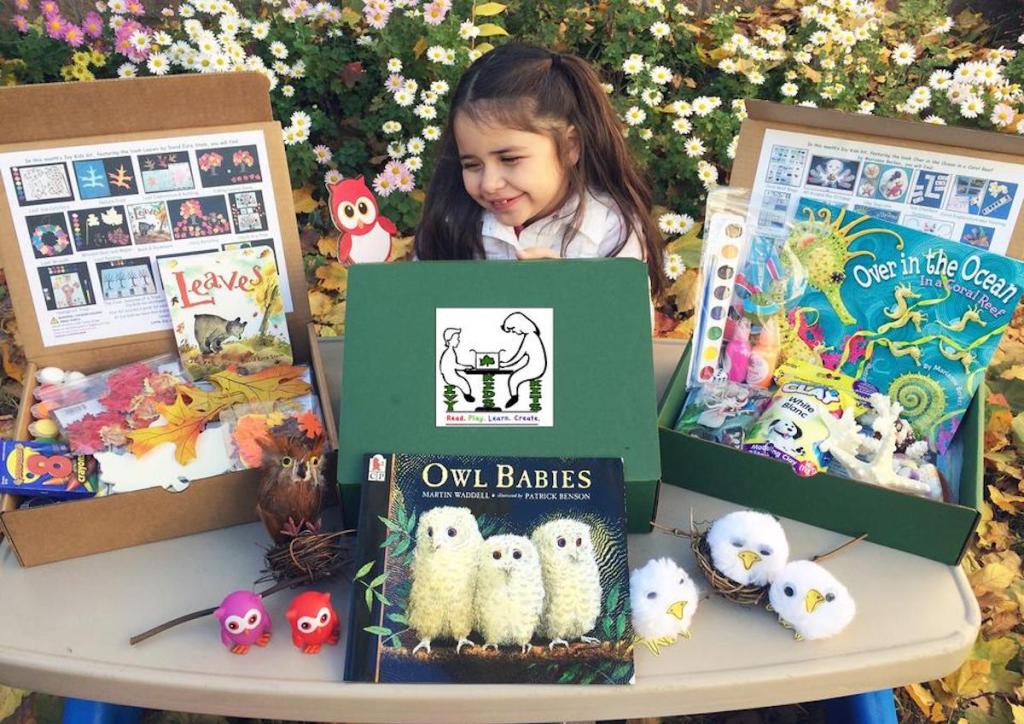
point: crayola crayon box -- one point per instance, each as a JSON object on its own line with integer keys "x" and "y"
{"x": 44, "y": 469}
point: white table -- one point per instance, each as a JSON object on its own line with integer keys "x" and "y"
{"x": 65, "y": 629}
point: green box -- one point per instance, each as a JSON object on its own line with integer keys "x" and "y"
{"x": 603, "y": 376}
{"x": 929, "y": 528}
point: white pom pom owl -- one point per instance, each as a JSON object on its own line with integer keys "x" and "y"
{"x": 663, "y": 599}
{"x": 748, "y": 547}
{"x": 811, "y": 601}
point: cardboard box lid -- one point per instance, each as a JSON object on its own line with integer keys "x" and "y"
{"x": 762, "y": 115}
{"x": 603, "y": 384}
{"x": 51, "y": 115}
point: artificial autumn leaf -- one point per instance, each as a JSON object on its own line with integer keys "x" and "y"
{"x": 249, "y": 430}
{"x": 320, "y": 304}
{"x": 302, "y": 199}
{"x": 309, "y": 423}
{"x": 420, "y": 47}
{"x": 333, "y": 276}
{"x": 274, "y": 383}
{"x": 1012, "y": 504}
{"x": 184, "y": 424}
{"x": 1018, "y": 713}
{"x": 1016, "y": 372}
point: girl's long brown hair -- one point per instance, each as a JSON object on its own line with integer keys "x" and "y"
{"x": 532, "y": 89}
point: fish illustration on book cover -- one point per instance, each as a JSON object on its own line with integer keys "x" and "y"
{"x": 227, "y": 311}
{"x": 491, "y": 570}
{"x": 915, "y": 315}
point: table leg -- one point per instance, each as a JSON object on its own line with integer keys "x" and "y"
{"x": 871, "y": 707}
{"x": 83, "y": 711}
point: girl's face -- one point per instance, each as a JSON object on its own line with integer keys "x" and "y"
{"x": 517, "y": 175}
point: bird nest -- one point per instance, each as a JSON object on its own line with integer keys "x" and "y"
{"x": 725, "y": 586}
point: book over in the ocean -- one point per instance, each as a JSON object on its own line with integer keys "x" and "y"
{"x": 226, "y": 310}
{"x": 491, "y": 570}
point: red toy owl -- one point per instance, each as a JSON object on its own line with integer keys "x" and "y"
{"x": 365, "y": 234}
{"x": 313, "y": 621}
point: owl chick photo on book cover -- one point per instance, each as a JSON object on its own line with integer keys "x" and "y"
{"x": 227, "y": 310}
{"x": 491, "y": 570}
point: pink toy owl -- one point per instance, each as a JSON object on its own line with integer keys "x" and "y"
{"x": 313, "y": 621}
{"x": 243, "y": 621}
{"x": 365, "y": 234}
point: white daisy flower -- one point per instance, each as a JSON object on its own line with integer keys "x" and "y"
{"x": 904, "y": 54}
{"x": 431, "y": 133}
{"x": 127, "y": 70}
{"x": 287, "y": 90}
{"x": 669, "y": 223}
{"x": 404, "y": 98}
{"x": 707, "y": 173}
{"x": 427, "y": 113}
{"x": 415, "y": 146}
{"x": 414, "y": 163}
{"x": 633, "y": 64}
{"x": 289, "y": 136}
{"x": 279, "y": 50}
{"x": 674, "y": 266}
{"x": 332, "y": 177}
{"x": 394, "y": 65}
{"x": 728, "y": 66}
{"x": 943, "y": 27}
{"x": 731, "y": 150}
{"x": 322, "y": 154}
{"x": 703, "y": 105}
{"x": 789, "y": 89}
{"x": 396, "y": 149}
{"x": 439, "y": 87}
{"x": 468, "y": 30}
{"x": 682, "y": 126}
{"x": 301, "y": 120}
{"x": 635, "y": 116}
{"x": 1020, "y": 123}
{"x": 972, "y": 107}
{"x": 661, "y": 75}
{"x": 390, "y": 127}
{"x": 940, "y": 79}
{"x": 158, "y": 64}
{"x": 935, "y": 120}
{"x": 435, "y": 54}
{"x": 694, "y": 147}
{"x": 660, "y": 30}
{"x": 651, "y": 96}
{"x": 428, "y": 97}
{"x": 1002, "y": 115}
{"x": 866, "y": 107}
{"x": 411, "y": 85}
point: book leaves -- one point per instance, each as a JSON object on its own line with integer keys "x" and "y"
{"x": 194, "y": 407}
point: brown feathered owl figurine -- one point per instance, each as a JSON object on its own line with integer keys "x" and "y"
{"x": 292, "y": 491}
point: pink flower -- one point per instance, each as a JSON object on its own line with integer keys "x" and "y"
{"x": 92, "y": 24}
{"x": 73, "y": 35}
{"x": 20, "y": 23}
{"x": 21, "y": 4}
{"x": 135, "y": 7}
{"x": 434, "y": 13}
{"x": 49, "y": 8}
{"x": 55, "y": 26}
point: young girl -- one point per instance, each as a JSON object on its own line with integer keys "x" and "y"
{"x": 533, "y": 164}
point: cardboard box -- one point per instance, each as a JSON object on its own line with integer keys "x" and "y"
{"x": 602, "y": 383}
{"x": 932, "y": 529}
{"x": 51, "y": 116}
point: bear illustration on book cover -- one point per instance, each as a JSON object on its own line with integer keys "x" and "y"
{"x": 226, "y": 310}
{"x": 491, "y": 570}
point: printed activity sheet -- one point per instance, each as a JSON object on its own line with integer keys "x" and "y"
{"x": 92, "y": 222}
{"x": 970, "y": 200}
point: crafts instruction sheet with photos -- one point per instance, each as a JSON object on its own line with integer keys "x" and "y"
{"x": 94, "y": 221}
{"x": 971, "y": 200}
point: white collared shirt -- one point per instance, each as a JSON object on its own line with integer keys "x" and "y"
{"x": 599, "y": 234}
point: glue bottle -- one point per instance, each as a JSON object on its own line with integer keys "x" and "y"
{"x": 764, "y": 356}
{"x": 737, "y": 352}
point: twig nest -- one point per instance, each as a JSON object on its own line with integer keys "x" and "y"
{"x": 811, "y": 601}
{"x": 748, "y": 547}
{"x": 663, "y": 599}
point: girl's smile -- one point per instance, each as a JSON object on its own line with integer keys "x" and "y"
{"x": 516, "y": 175}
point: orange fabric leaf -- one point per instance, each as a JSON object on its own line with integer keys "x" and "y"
{"x": 309, "y": 423}
{"x": 249, "y": 430}
{"x": 184, "y": 423}
{"x": 274, "y": 383}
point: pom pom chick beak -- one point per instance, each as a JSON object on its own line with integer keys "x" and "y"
{"x": 749, "y": 558}
{"x": 812, "y": 600}
{"x": 676, "y": 609}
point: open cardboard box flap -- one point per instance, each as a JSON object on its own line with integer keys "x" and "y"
{"x": 43, "y": 116}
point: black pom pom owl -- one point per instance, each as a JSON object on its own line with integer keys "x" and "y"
{"x": 292, "y": 492}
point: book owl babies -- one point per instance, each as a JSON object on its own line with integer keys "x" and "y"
{"x": 508, "y": 588}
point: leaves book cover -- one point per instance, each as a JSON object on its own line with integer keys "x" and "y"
{"x": 227, "y": 311}
{"x": 491, "y": 570}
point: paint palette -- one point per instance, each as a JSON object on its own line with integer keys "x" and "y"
{"x": 724, "y": 248}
